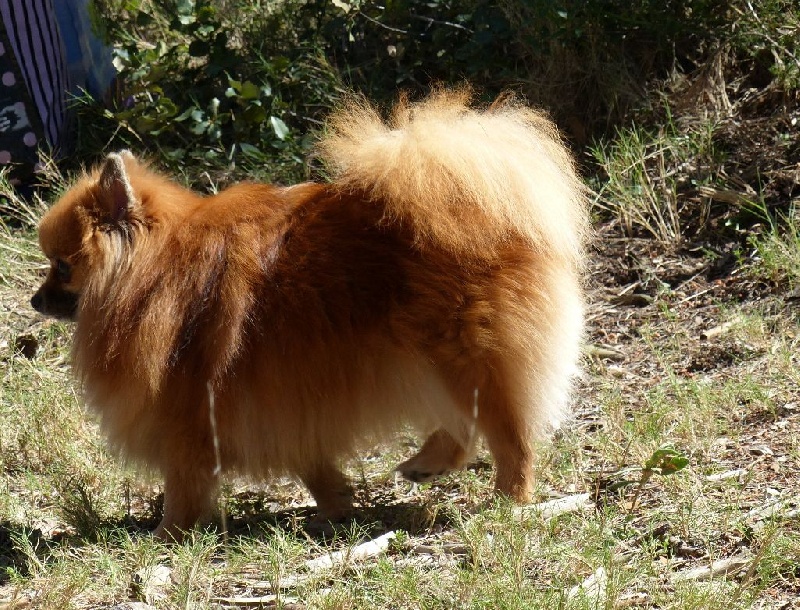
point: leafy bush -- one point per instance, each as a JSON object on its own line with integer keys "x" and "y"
{"x": 227, "y": 88}
{"x": 408, "y": 44}
{"x": 207, "y": 91}
{"x": 230, "y": 88}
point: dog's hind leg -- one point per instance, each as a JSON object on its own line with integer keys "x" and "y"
{"x": 503, "y": 424}
{"x": 510, "y": 443}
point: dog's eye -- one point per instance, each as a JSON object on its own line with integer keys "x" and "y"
{"x": 63, "y": 270}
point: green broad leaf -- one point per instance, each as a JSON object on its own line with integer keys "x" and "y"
{"x": 199, "y": 128}
{"x": 207, "y": 14}
{"x": 250, "y": 91}
{"x": 184, "y": 7}
{"x": 189, "y": 112}
{"x": 249, "y": 149}
{"x": 254, "y": 115}
{"x": 666, "y": 461}
{"x": 279, "y": 127}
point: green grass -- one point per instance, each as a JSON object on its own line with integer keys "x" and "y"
{"x": 56, "y": 471}
{"x": 646, "y": 173}
{"x": 778, "y": 249}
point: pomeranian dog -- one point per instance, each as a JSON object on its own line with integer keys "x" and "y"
{"x": 434, "y": 280}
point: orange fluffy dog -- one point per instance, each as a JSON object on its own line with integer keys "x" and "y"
{"x": 435, "y": 280}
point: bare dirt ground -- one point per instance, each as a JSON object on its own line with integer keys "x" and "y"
{"x": 675, "y": 313}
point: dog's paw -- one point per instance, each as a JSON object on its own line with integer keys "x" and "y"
{"x": 420, "y": 469}
{"x": 440, "y": 455}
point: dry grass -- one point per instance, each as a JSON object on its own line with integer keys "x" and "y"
{"x": 720, "y": 533}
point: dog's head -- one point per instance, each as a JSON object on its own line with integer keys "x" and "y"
{"x": 68, "y": 236}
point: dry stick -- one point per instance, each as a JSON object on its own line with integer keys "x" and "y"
{"x": 553, "y": 508}
{"x": 720, "y": 567}
{"x": 218, "y": 467}
{"x": 365, "y": 550}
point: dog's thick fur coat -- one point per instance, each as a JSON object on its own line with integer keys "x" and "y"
{"x": 442, "y": 262}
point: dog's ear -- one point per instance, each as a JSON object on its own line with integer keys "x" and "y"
{"x": 116, "y": 192}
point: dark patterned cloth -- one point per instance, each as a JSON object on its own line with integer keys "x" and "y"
{"x": 21, "y": 129}
{"x": 48, "y": 53}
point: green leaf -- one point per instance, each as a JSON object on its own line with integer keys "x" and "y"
{"x": 199, "y": 128}
{"x": 279, "y": 127}
{"x": 249, "y": 149}
{"x": 255, "y": 115}
{"x": 666, "y": 461}
{"x": 184, "y": 7}
{"x": 206, "y": 15}
{"x": 185, "y": 114}
{"x": 250, "y": 91}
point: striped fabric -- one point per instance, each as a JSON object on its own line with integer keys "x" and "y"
{"x": 32, "y": 31}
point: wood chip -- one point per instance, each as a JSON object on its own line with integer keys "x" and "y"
{"x": 721, "y": 567}
{"x": 594, "y": 588}
{"x": 786, "y": 508}
{"x": 629, "y": 600}
{"x": 720, "y": 329}
{"x": 604, "y": 352}
{"x": 371, "y": 548}
{"x": 739, "y": 473}
{"x": 264, "y": 601}
{"x": 636, "y": 299}
{"x": 20, "y": 603}
{"x": 447, "y": 548}
{"x": 553, "y": 508}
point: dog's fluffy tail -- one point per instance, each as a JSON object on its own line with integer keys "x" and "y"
{"x": 445, "y": 168}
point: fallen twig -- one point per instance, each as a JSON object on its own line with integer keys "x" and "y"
{"x": 720, "y": 567}
{"x": 553, "y": 508}
{"x": 371, "y": 548}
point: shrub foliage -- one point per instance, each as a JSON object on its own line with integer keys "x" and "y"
{"x": 237, "y": 86}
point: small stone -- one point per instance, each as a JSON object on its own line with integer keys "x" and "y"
{"x": 151, "y": 584}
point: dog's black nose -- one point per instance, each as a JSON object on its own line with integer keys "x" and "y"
{"x": 36, "y": 301}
